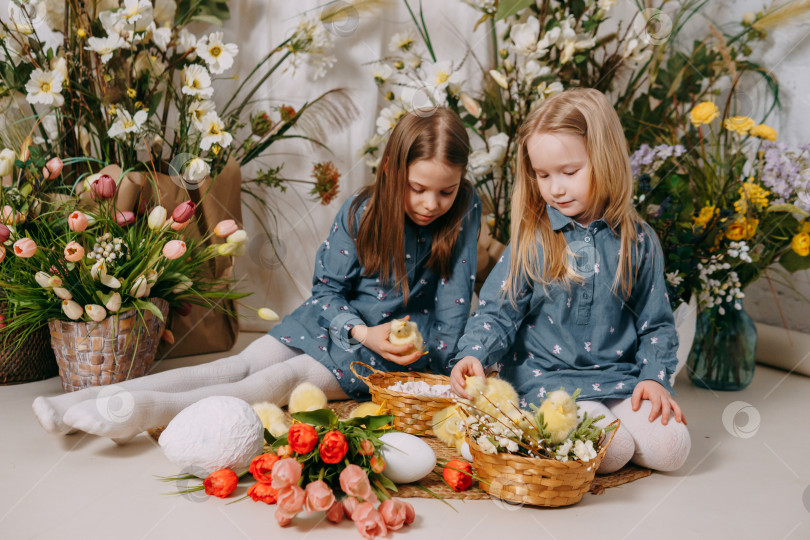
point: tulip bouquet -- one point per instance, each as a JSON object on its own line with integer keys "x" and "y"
{"x": 82, "y": 259}
{"x": 323, "y": 464}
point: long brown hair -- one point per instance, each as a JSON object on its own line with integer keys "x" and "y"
{"x": 588, "y": 113}
{"x": 437, "y": 134}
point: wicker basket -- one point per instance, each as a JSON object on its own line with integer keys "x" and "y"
{"x": 536, "y": 481}
{"x": 118, "y": 348}
{"x": 412, "y": 413}
{"x": 33, "y": 361}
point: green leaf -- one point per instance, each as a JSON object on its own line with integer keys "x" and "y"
{"x": 793, "y": 262}
{"x": 321, "y": 417}
{"x": 372, "y": 423}
{"x": 149, "y": 306}
{"x": 507, "y": 8}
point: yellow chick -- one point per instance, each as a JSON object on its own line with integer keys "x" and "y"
{"x": 448, "y": 425}
{"x": 307, "y": 397}
{"x": 368, "y": 408}
{"x": 272, "y": 418}
{"x": 494, "y": 396}
{"x": 405, "y": 333}
{"x": 560, "y": 414}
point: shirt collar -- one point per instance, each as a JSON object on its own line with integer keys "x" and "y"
{"x": 559, "y": 220}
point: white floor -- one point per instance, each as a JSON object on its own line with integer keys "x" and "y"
{"x": 755, "y": 484}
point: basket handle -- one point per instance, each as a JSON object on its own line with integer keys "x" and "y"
{"x": 364, "y": 379}
{"x": 603, "y": 447}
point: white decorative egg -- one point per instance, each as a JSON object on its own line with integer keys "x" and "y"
{"x": 218, "y": 432}
{"x": 465, "y": 451}
{"x": 407, "y": 457}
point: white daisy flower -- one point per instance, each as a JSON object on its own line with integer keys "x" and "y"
{"x": 105, "y": 46}
{"x": 45, "y": 87}
{"x": 402, "y": 41}
{"x": 186, "y": 41}
{"x": 136, "y": 14}
{"x": 127, "y": 123}
{"x": 199, "y": 109}
{"x": 388, "y": 118}
{"x": 212, "y": 132}
{"x": 441, "y": 75}
{"x": 161, "y": 36}
{"x": 216, "y": 53}
{"x": 197, "y": 81}
{"x": 196, "y": 170}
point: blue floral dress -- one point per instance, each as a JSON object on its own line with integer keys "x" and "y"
{"x": 343, "y": 297}
{"x": 583, "y": 337}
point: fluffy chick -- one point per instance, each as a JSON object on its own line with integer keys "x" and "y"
{"x": 307, "y": 397}
{"x": 448, "y": 425}
{"x": 405, "y": 333}
{"x": 560, "y": 414}
{"x": 369, "y": 408}
{"x": 272, "y": 418}
{"x": 494, "y": 396}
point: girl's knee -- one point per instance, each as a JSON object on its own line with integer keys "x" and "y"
{"x": 665, "y": 449}
{"x": 618, "y": 454}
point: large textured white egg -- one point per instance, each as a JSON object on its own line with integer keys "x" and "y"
{"x": 218, "y": 432}
{"x": 407, "y": 457}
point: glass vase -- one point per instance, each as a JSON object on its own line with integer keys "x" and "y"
{"x": 723, "y": 354}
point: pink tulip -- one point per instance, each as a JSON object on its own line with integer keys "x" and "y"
{"x": 52, "y": 169}
{"x": 319, "y": 497}
{"x": 226, "y": 228}
{"x": 174, "y": 249}
{"x": 103, "y": 187}
{"x": 179, "y": 226}
{"x": 25, "y": 247}
{"x": 2, "y": 253}
{"x": 369, "y": 521}
{"x": 291, "y": 499}
{"x": 283, "y": 518}
{"x": 77, "y": 221}
{"x": 395, "y": 513}
{"x": 74, "y": 252}
{"x": 5, "y": 232}
{"x": 354, "y": 482}
{"x": 184, "y": 211}
{"x": 286, "y": 472}
{"x": 349, "y": 504}
{"x": 335, "y": 512}
{"x": 8, "y": 215}
{"x": 125, "y": 218}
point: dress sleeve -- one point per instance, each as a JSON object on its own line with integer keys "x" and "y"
{"x": 337, "y": 270}
{"x": 491, "y": 330}
{"x": 453, "y": 295}
{"x": 655, "y": 323}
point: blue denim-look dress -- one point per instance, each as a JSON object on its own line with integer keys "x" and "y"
{"x": 584, "y": 336}
{"x": 343, "y": 297}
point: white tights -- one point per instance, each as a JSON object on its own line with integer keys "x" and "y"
{"x": 267, "y": 370}
{"x": 648, "y": 444}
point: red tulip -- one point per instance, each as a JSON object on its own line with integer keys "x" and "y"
{"x": 184, "y": 211}
{"x": 184, "y": 309}
{"x": 103, "y": 187}
{"x": 5, "y": 232}
{"x": 124, "y": 218}
{"x": 52, "y": 169}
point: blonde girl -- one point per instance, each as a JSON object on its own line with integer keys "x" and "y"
{"x": 579, "y": 298}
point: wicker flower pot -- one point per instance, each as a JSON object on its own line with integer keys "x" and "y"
{"x": 118, "y": 348}
{"x": 33, "y": 361}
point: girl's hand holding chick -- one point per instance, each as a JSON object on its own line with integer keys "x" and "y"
{"x": 662, "y": 402}
{"x": 469, "y": 365}
{"x": 376, "y": 339}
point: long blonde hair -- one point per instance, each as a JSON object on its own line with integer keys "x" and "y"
{"x": 588, "y": 113}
